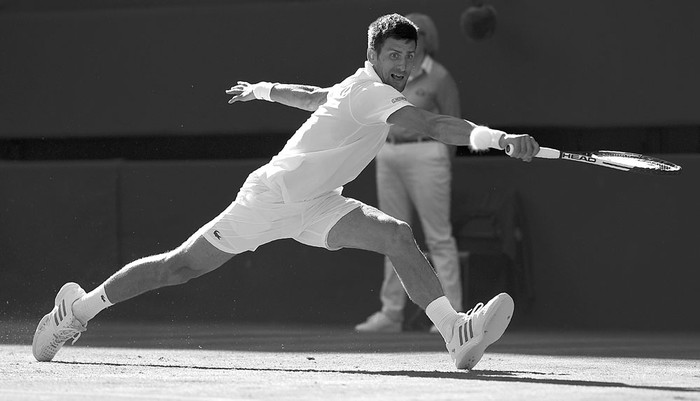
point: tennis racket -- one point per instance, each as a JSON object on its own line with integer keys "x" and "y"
{"x": 622, "y": 161}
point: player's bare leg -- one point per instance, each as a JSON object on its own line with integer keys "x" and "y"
{"x": 194, "y": 258}
{"x": 73, "y": 308}
{"x": 466, "y": 335}
{"x": 370, "y": 229}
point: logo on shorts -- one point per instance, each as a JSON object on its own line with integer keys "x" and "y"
{"x": 217, "y": 234}
{"x": 398, "y": 99}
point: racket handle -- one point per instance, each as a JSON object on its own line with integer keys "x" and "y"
{"x": 544, "y": 153}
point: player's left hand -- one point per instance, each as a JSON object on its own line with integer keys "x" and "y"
{"x": 522, "y": 146}
{"x": 242, "y": 92}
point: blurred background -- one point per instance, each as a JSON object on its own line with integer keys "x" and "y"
{"x": 116, "y": 142}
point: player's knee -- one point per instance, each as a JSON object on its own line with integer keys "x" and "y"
{"x": 178, "y": 270}
{"x": 401, "y": 239}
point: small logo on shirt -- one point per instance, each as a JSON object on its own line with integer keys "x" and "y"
{"x": 398, "y": 99}
{"x": 217, "y": 234}
{"x": 103, "y": 298}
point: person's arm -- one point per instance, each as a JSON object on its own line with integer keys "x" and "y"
{"x": 305, "y": 97}
{"x": 455, "y": 131}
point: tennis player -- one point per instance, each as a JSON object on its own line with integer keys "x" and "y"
{"x": 298, "y": 195}
{"x": 414, "y": 174}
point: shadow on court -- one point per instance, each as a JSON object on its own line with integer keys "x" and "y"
{"x": 270, "y": 362}
{"x": 324, "y": 339}
{"x": 480, "y": 375}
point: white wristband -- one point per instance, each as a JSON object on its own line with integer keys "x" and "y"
{"x": 262, "y": 90}
{"x": 494, "y": 136}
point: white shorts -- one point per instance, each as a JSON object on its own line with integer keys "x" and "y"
{"x": 259, "y": 215}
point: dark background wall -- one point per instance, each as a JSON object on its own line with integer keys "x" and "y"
{"x": 142, "y": 69}
{"x": 133, "y": 83}
{"x": 609, "y": 249}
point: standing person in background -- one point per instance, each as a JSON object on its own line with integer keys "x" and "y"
{"x": 414, "y": 172}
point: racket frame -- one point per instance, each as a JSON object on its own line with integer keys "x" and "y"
{"x": 593, "y": 159}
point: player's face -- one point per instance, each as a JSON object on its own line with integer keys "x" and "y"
{"x": 394, "y": 62}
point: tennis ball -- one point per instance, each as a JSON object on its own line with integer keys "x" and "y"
{"x": 478, "y": 22}
{"x": 480, "y": 138}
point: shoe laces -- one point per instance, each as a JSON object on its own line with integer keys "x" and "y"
{"x": 70, "y": 332}
{"x": 473, "y": 311}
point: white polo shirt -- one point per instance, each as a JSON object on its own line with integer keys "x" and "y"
{"x": 339, "y": 139}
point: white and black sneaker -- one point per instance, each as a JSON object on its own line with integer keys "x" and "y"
{"x": 478, "y": 328}
{"x": 59, "y": 325}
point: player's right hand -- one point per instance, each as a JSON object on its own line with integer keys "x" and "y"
{"x": 241, "y": 92}
{"x": 523, "y": 147}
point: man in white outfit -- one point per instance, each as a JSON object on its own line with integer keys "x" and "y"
{"x": 414, "y": 173}
{"x": 298, "y": 195}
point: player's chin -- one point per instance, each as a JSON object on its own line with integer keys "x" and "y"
{"x": 398, "y": 83}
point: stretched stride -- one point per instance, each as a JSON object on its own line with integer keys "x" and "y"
{"x": 298, "y": 194}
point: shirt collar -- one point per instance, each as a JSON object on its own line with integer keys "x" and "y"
{"x": 427, "y": 64}
{"x": 369, "y": 70}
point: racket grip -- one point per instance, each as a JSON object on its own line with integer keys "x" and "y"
{"x": 544, "y": 153}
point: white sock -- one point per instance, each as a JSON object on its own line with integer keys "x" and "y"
{"x": 443, "y": 316}
{"x": 91, "y": 304}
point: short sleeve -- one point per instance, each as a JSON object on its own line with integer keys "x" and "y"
{"x": 375, "y": 102}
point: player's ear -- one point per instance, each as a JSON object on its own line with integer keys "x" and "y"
{"x": 371, "y": 55}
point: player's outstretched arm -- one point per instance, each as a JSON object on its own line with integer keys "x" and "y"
{"x": 305, "y": 97}
{"x": 455, "y": 131}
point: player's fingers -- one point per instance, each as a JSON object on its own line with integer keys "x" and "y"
{"x": 241, "y": 96}
{"x": 523, "y": 147}
{"x": 238, "y": 88}
{"x": 235, "y": 98}
{"x": 535, "y": 147}
{"x": 235, "y": 90}
{"x": 519, "y": 149}
{"x": 527, "y": 154}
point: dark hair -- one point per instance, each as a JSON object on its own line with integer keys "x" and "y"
{"x": 390, "y": 26}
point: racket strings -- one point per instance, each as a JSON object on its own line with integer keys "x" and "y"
{"x": 635, "y": 161}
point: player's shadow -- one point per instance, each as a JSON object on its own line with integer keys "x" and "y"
{"x": 546, "y": 378}
{"x": 477, "y": 375}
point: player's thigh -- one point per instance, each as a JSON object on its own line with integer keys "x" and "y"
{"x": 367, "y": 228}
